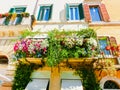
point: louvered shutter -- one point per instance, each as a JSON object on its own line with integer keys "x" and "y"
{"x": 81, "y": 13}
{"x": 87, "y": 13}
{"x": 113, "y": 44}
{"x": 67, "y": 11}
{"x": 104, "y": 13}
{"x": 40, "y": 14}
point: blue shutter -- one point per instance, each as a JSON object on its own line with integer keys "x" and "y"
{"x": 67, "y": 11}
{"x": 81, "y": 12}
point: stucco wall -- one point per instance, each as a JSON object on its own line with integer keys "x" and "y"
{"x": 113, "y": 7}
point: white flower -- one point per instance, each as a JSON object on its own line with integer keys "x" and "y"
{"x": 92, "y": 41}
{"x": 44, "y": 43}
{"x": 79, "y": 41}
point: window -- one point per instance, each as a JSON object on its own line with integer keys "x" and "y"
{"x": 111, "y": 85}
{"x": 44, "y": 13}
{"x": 69, "y": 84}
{"x": 38, "y": 84}
{"x": 95, "y": 14}
{"x": 104, "y": 42}
{"x": 17, "y": 10}
{"x": 18, "y": 19}
{"x": 74, "y": 12}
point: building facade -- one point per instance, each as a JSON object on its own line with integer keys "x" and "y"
{"x": 46, "y": 15}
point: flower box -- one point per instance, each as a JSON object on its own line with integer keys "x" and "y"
{"x": 32, "y": 60}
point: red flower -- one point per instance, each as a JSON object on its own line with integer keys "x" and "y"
{"x": 6, "y": 14}
{"x": 108, "y": 47}
{"x": 112, "y": 48}
{"x": 0, "y": 15}
{"x": 118, "y": 48}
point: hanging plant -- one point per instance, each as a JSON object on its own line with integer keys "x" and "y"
{"x": 22, "y": 75}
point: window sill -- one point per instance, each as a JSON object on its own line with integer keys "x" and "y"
{"x": 102, "y": 23}
{"x": 56, "y": 22}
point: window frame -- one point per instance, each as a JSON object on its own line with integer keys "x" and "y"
{"x": 109, "y": 43}
{"x": 80, "y": 12}
{"x": 100, "y": 14}
{"x": 41, "y": 13}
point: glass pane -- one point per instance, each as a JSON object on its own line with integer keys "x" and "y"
{"x": 103, "y": 44}
{"x": 71, "y": 13}
{"x": 38, "y": 84}
{"x": 46, "y": 14}
{"x": 95, "y": 15}
{"x": 71, "y": 85}
{"x": 76, "y": 13}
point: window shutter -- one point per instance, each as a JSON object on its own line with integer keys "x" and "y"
{"x": 67, "y": 11}
{"x": 24, "y": 9}
{"x": 50, "y": 14}
{"x": 113, "y": 43}
{"x": 87, "y": 13}
{"x": 104, "y": 13}
{"x": 81, "y": 13}
{"x": 11, "y": 10}
{"x": 40, "y": 13}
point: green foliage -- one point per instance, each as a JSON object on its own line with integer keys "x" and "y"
{"x": 27, "y": 33}
{"x": 22, "y": 75}
{"x": 88, "y": 77}
{"x": 54, "y": 56}
{"x": 71, "y": 44}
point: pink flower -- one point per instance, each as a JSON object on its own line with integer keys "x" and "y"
{"x": 16, "y": 48}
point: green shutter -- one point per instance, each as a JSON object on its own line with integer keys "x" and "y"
{"x": 24, "y": 9}
{"x": 11, "y": 10}
{"x": 81, "y": 13}
{"x": 67, "y": 11}
{"x": 50, "y": 14}
{"x": 39, "y": 13}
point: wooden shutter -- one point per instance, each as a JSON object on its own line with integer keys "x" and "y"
{"x": 24, "y": 9}
{"x": 81, "y": 13}
{"x": 50, "y": 14}
{"x": 39, "y": 13}
{"x": 104, "y": 13}
{"x": 67, "y": 11}
{"x": 113, "y": 44}
{"x": 87, "y": 13}
{"x": 11, "y": 10}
